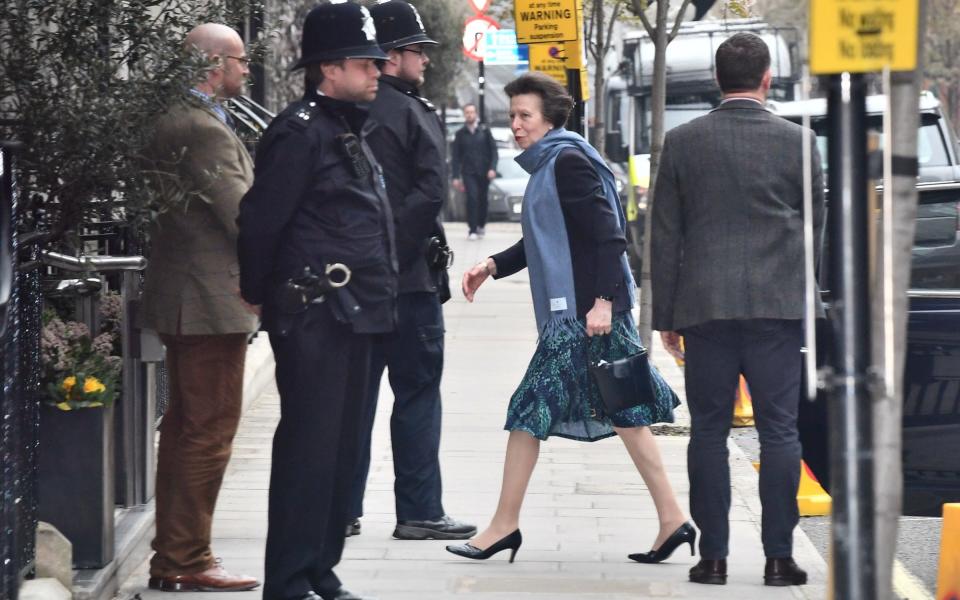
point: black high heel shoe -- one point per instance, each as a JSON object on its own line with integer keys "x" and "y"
{"x": 511, "y": 541}
{"x": 685, "y": 534}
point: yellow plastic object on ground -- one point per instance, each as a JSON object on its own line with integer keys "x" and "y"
{"x": 812, "y": 499}
{"x": 948, "y": 580}
{"x": 743, "y": 406}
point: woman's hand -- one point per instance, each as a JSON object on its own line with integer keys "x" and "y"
{"x": 600, "y": 318}
{"x": 474, "y": 278}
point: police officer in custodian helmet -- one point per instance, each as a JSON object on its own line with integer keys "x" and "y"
{"x": 317, "y": 253}
{"x": 409, "y": 142}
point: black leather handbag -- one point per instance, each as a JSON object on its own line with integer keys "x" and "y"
{"x": 624, "y": 383}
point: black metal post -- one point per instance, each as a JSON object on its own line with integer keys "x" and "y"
{"x": 851, "y": 453}
{"x": 575, "y": 122}
{"x": 481, "y": 81}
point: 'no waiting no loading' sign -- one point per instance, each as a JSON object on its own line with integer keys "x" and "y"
{"x": 540, "y": 21}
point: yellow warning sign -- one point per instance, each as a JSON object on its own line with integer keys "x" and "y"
{"x": 551, "y": 59}
{"x": 540, "y": 21}
{"x": 547, "y": 58}
{"x": 863, "y": 35}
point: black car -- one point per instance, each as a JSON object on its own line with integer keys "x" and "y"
{"x": 931, "y": 387}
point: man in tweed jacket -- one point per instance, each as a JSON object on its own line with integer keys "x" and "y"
{"x": 727, "y": 274}
{"x": 192, "y": 299}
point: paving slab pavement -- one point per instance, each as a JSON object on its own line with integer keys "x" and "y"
{"x": 586, "y": 508}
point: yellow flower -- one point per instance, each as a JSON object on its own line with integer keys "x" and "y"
{"x": 68, "y": 383}
{"x": 92, "y": 385}
{"x": 64, "y": 406}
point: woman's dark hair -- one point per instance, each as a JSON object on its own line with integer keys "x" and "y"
{"x": 741, "y": 62}
{"x": 557, "y": 103}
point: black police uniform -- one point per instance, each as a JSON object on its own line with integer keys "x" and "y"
{"x": 318, "y": 198}
{"x": 409, "y": 143}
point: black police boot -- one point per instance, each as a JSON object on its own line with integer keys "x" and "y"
{"x": 444, "y": 528}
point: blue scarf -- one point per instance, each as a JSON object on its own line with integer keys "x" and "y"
{"x": 545, "y": 240}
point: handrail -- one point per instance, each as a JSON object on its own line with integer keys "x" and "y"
{"x": 87, "y": 263}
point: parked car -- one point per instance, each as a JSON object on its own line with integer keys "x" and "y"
{"x": 504, "y": 196}
{"x": 938, "y": 152}
{"x": 931, "y": 387}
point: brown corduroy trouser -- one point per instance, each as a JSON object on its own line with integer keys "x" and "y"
{"x": 205, "y": 374}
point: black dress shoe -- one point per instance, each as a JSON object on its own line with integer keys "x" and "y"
{"x": 444, "y": 528}
{"x": 511, "y": 542}
{"x": 685, "y": 534}
{"x": 353, "y": 528}
{"x": 308, "y": 596}
{"x": 345, "y": 594}
{"x": 783, "y": 571}
{"x": 712, "y": 572}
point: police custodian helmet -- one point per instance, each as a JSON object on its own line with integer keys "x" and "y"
{"x": 336, "y": 31}
{"x": 398, "y": 24}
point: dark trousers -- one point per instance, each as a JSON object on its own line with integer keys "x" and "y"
{"x": 767, "y": 353}
{"x": 476, "y": 186}
{"x": 322, "y": 375}
{"x": 413, "y": 356}
{"x": 206, "y": 395}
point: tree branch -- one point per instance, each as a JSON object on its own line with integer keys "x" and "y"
{"x": 676, "y": 24}
{"x": 640, "y": 7}
{"x": 613, "y": 21}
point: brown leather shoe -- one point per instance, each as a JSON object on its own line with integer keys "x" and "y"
{"x": 783, "y": 571}
{"x": 713, "y": 572}
{"x": 214, "y": 579}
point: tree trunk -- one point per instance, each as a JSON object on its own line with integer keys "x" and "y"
{"x": 658, "y": 99}
{"x": 888, "y": 408}
{"x": 600, "y": 52}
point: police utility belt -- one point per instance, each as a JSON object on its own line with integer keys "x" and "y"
{"x": 296, "y": 294}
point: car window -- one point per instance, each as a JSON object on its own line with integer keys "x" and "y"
{"x": 509, "y": 169}
{"x": 936, "y": 246}
{"x": 931, "y": 147}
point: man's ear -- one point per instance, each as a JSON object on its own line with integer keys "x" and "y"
{"x": 767, "y": 80}
{"x": 394, "y": 57}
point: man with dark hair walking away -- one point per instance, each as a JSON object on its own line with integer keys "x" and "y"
{"x": 409, "y": 143}
{"x": 317, "y": 251}
{"x": 727, "y": 275}
{"x": 474, "y": 164}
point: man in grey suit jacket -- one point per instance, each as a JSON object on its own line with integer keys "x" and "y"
{"x": 727, "y": 275}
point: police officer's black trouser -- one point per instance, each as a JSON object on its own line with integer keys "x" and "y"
{"x": 413, "y": 356}
{"x": 322, "y": 376}
{"x": 476, "y": 186}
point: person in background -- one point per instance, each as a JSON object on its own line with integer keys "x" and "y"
{"x": 190, "y": 298}
{"x": 474, "y": 164}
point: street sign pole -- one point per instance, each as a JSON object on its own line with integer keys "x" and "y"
{"x": 576, "y": 118}
{"x": 851, "y": 427}
{"x": 481, "y": 81}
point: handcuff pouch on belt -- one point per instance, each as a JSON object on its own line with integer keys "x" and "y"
{"x": 298, "y": 293}
{"x": 439, "y": 254}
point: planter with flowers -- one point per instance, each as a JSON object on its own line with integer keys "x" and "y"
{"x": 80, "y": 382}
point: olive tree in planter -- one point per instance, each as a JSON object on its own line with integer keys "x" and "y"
{"x": 82, "y": 83}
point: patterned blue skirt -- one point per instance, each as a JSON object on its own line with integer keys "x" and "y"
{"x": 558, "y": 395}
